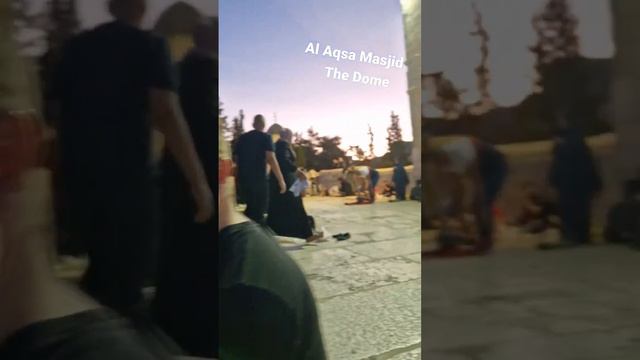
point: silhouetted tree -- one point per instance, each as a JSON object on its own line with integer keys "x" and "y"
{"x": 358, "y": 152}
{"x": 330, "y": 151}
{"x": 226, "y": 128}
{"x": 448, "y": 97}
{"x": 394, "y": 132}
{"x": 371, "y": 146}
{"x": 482, "y": 71}
{"x": 306, "y": 149}
{"x": 557, "y": 57}
{"x": 556, "y": 28}
{"x": 237, "y": 127}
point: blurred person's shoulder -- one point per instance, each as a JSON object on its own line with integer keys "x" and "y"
{"x": 97, "y": 334}
{"x": 251, "y": 256}
{"x": 253, "y": 260}
{"x": 266, "y": 298}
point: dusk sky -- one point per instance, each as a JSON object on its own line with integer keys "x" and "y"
{"x": 448, "y": 47}
{"x": 264, "y": 68}
{"x": 93, "y": 12}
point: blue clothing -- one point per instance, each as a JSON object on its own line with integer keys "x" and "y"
{"x": 400, "y": 180}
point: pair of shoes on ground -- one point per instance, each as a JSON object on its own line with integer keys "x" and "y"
{"x": 342, "y": 237}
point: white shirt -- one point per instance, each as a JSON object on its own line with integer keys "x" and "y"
{"x": 461, "y": 153}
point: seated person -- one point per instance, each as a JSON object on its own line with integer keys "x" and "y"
{"x": 537, "y": 210}
{"x": 467, "y": 168}
{"x": 44, "y": 317}
{"x": 416, "y": 192}
{"x": 388, "y": 190}
{"x": 345, "y": 187}
{"x": 268, "y": 309}
{"x": 624, "y": 218}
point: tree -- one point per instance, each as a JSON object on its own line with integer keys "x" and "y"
{"x": 226, "y": 128}
{"x": 394, "y": 131}
{"x": 237, "y": 127}
{"x": 556, "y": 28}
{"x": 357, "y": 152}
{"x": 482, "y": 71}
{"x": 330, "y": 152}
{"x": 557, "y": 56}
{"x": 447, "y": 96}
{"x": 306, "y": 149}
{"x": 371, "y": 146}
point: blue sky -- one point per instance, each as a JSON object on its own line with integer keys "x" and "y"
{"x": 264, "y": 68}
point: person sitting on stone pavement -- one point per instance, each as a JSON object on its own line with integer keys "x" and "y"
{"x": 469, "y": 161}
{"x": 537, "y": 213}
{"x": 623, "y": 219}
{"x": 416, "y": 191}
{"x": 400, "y": 180}
{"x": 267, "y": 308}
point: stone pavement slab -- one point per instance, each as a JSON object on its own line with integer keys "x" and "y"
{"x": 367, "y": 287}
{"x": 526, "y": 304}
{"x": 371, "y": 323}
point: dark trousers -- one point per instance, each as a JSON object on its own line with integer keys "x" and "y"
{"x": 186, "y": 299}
{"x": 256, "y": 195}
{"x": 493, "y": 170}
{"x": 575, "y": 214}
{"x": 115, "y": 224}
{"x": 401, "y": 191}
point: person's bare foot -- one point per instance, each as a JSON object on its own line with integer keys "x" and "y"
{"x": 315, "y": 238}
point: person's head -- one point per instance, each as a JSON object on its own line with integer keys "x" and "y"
{"x": 205, "y": 35}
{"x": 129, "y": 11}
{"x": 259, "y": 122}
{"x": 286, "y": 135}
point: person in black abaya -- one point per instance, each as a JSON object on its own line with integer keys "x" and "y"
{"x": 576, "y": 179}
{"x": 286, "y": 215}
{"x": 187, "y": 293}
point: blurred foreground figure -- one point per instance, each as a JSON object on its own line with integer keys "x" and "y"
{"x": 113, "y": 83}
{"x": 267, "y": 310}
{"x": 481, "y": 164}
{"x": 186, "y": 303}
{"x": 576, "y": 179}
{"x": 42, "y": 317}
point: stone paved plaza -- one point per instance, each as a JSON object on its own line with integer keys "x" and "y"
{"x": 580, "y": 304}
{"x": 368, "y": 287}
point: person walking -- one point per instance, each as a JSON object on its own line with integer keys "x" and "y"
{"x": 400, "y": 181}
{"x": 187, "y": 310}
{"x": 253, "y": 152}
{"x": 114, "y": 83}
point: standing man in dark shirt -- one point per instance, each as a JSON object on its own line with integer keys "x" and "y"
{"x": 267, "y": 310}
{"x": 253, "y": 151}
{"x": 187, "y": 292}
{"x": 114, "y": 83}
